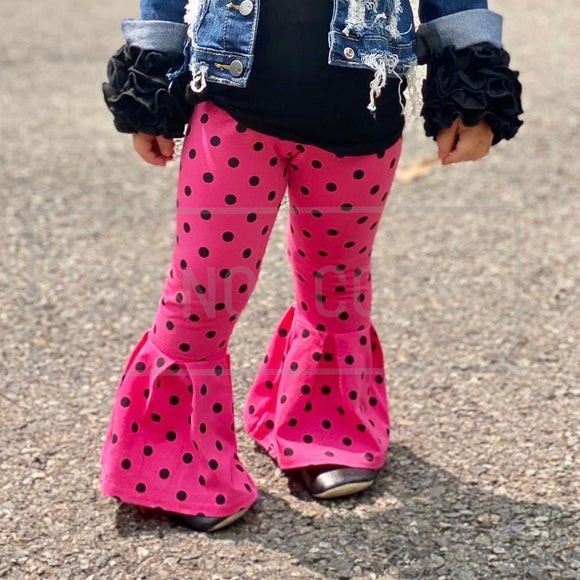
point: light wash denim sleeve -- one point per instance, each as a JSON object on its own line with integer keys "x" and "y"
{"x": 160, "y": 35}
{"x": 459, "y": 29}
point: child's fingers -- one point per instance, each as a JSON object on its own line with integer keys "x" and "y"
{"x": 166, "y": 146}
{"x": 474, "y": 143}
{"x": 148, "y": 149}
{"x": 446, "y": 140}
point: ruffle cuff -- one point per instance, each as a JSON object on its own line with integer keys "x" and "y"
{"x": 139, "y": 95}
{"x": 474, "y": 83}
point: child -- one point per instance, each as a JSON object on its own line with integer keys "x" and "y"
{"x": 289, "y": 95}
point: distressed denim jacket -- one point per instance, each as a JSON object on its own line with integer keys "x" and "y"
{"x": 217, "y": 37}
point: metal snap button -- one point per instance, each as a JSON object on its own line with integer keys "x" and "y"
{"x": 246, "y": 7}
{"x": 236, "y": 68}
{"x": 349, "y": 52}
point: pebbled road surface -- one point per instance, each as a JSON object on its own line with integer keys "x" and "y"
{"x": 476, "y": 302}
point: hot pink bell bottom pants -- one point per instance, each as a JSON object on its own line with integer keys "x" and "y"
{"x": 319, "y": 397}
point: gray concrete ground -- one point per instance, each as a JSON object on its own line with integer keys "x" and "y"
{"x": 476, "y": 302}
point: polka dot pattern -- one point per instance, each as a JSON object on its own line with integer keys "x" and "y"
{"x": 320, "y": 392}
{"x": 184, "y": 437}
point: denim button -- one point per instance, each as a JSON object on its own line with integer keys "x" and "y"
{"x": 349, "y": 52}
{"x": 246, "y": 7}
{"x": 236, "y": 68}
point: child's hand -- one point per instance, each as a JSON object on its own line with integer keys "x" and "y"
{"x": 155, "y": 150}
{"x": 461, "y": 143}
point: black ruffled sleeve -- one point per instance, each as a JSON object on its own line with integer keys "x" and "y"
{"x": 474, "y": 83}
{"x": 138, "y": 93}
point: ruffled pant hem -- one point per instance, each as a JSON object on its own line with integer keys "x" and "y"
{"x": 320, "y": 398}
{"x": 171, "y": 441}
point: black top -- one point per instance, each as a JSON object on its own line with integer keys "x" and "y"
{"x": 293, "y": 93}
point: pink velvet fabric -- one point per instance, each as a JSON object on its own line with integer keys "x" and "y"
{"x": 320, "y": 393}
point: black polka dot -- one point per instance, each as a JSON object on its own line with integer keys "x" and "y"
{"x": 184, "y": 347}
{"x": 307, "y": 439}
{"x": 181, "y": 495}
{"x": 204, "y": 118}
{"x": 258, "y": 146}
{"x": 220, "y": 499}
{"x": 140, "y": 367}
{"x": 231, "y": 199}
{"x": 169, "y": 325}
{"x": 270, "y": 424}
{"x": 329, "y": 454}
{"x": 201, "y": 480}
{"x": 202, "y": 428}
{"x": 361, "y": 427}
{"x": 271, "y": 195}
{"x": 326, "y": 424}
{"x": 126, "y": 464}
{"x": 233, "y": 162}
{"x": 210, "y": 334}
{"x": 294, "y": 366}
{"x": 217, "y": 408}
{"x": 147, "y": 450}
{"x": 194, "y": 317}
{"x": 171, "y": 436}
{"x": 254, "y": 180}
{"x": 203, "y": 252}
{"x": 353, "y": 395}
{"x": 187, "y": 458}
{"x": 379, "y": 379}
{"x": 243, "y": 288}
{"x": 187, "y": 190}
{"x": 164, "y": 473}
{"x": 330, "y": 186}
{"x": 326, "y": 390}
{"x": 227, "y": 236}
{"x": 192, "y": 153}
{"x": 373, "y": 402}
{"x": 241, "y": 128}
{"x": 215, "y": 140}
{"x": 141, "y": 488}
{"x": 213, "y": 464}
{"x": 125, "y": 402}
{"x": 341, "y": 411}
{"x": 358, "y": 174}
{"x": 134, "y": 427}
{"x": 247, "y": 253}
{"x": 349, "y": 359}
{"x": 203, "y": 389}
{"x": 208, "y": 177}
{"x": 273, "y": 161}
{"x": 347, "y": 441}
{"x": 316, "y": 164}
{"x": 316, "y": 213}
{"x": 293, "y": 422}
{"x": 369, "y": 456}
{"x": 205, "y": 214}
{"x": 343, "y": 315}
{"x": 225, "y": 273}
{"x": 308, "y": 407}
{"x": 252, "y": 217}
{"x": 251, "y": 410}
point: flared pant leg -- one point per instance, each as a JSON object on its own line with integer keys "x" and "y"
{"x": 320, "y": 396}
{"x": 171, "y": 441}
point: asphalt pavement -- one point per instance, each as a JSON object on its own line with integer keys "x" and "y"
{"x": 475, "y": 299}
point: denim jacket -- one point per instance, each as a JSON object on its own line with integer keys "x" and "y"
{"x": 217, "y": 37}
